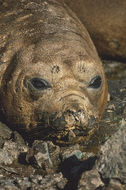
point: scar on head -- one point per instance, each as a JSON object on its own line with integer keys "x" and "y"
{"x": 55, "y": 69}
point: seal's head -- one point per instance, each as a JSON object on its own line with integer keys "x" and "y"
{"x": 54, "y": 87}
{"x": 54, "y": 81}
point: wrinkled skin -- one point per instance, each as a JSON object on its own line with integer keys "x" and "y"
{"x": 52, "y": 80}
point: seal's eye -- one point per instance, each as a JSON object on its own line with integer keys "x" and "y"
{"x": 95, "y": 82}
{"x": 39, "y": 84}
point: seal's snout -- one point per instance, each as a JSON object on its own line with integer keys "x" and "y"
{"x": 77, "y": 118}
{"x": 71, "y": 118}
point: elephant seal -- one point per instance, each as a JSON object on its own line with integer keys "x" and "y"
{"x": 106, "y": 24}
{"x": 51, "y": 78}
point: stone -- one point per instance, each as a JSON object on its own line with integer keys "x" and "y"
{"x": 90, "y": 180}
{"x": 45, "y": 154}
{"x": 112, "y": 156}
{"x": 11, "y": 151}
{"x": 71, "y": 151}
{"x": 114, "y": 185}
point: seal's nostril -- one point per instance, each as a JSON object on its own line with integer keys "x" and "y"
{"x": 71, "y": 111}
{"x": 77, "y": 114}
{"x": 80, "y": 111}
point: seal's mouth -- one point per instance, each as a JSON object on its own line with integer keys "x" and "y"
{"x": 69, "y": 136}
{"x": 69, "y": 128}
{"x": 76, "y": 127}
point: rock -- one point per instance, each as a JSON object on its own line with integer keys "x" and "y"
{"x": 112, "y": 162}
{"x": 52, "y": 180}
{"x": 18, "y": 138}
{"x": 90, "y": 180}
{"x": 11, "y": 145}
{"x": 6, "y": 158}
{"x": 23, "y": 183}
{"x": 71, "y": 151}
{"x": 10, "y": 152}
{"x": 87, "y": 155}
{"x": 117, "y": 91}
{"x": 8, "y": 185}
{"x": 36, "y": 182}
{"x": 5, "y": 133}
{"x": 112, "y": 67}
{"x": 49, "y": 182}
{"x": 44, "y": 154}
{"x": 114, "y": 185}
{"x": 54, "y": 152}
